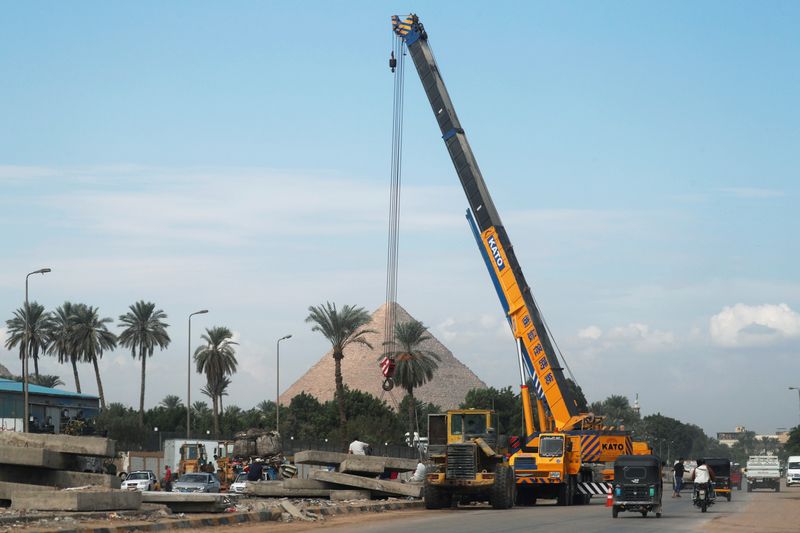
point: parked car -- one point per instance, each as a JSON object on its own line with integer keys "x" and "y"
{"x": 197, "y": 482}
{"x": 238, "y": 484}
{"x": 141, "y": 480}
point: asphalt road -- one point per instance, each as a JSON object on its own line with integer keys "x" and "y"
{"x": 678, "y": 515}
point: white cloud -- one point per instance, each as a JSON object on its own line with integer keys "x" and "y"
{"x": 752, "y": 192}
{"x": 591, "y": 332}
{"x": 744, "y": 325}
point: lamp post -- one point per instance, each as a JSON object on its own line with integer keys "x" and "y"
{"x": 26, "y": 410}
{"x": 189, "y": 376}
{"x": 159, "y": 437}
{"x": 278, "y": 382}
{"x": 798, "y": 391}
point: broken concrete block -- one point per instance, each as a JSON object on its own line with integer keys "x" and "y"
{"x": 322, "y": 458}
{"x": 78, "y": 500}
{"x": 343, "y": 495}
{"x": 38, "y": 457}
{"x": 96, "y": 446}
{"x": 56, "y": 478}
{"x": 360, "y": 464}
{"x": 7, "y": 490}
{"x": 188, "y": 502}
{"x": 278, "y": 489}
{"x": 379, "y": 485}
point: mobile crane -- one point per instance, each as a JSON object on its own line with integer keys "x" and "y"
{"x": 555, "y": 459}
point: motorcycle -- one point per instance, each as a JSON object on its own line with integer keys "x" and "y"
{"x": 703, "y": 496}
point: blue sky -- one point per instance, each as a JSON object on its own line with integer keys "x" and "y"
{"x": 644, "y": 158}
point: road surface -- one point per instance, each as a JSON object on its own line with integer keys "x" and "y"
{"x": 756, "y": 512}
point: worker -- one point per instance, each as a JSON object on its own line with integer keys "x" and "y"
{"x": 419, "y": 473}
{"x": 359, "y": 448}
{"x": 168, "y": 479}
{"x": 256, "y": 471}
{"x": 677, "y": 482}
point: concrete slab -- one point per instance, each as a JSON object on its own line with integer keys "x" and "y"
{"x": 296, "y": 483}
{"x": 7, "y": 490}
{"x": 344, "y": 495}
{"x": 38, "y": 457}
{"x": 379, "y": 485}
{"x": 78, "y": 500}
{"x": 277, "y": 489}
{"x": 187, "y": 502}
{"x": 292, "y": 509}
{"x": 97, "y": 446}
{"x": 322, "y": 458}
{"x": 359, "y": 464}
{"x": 56, "y": 478}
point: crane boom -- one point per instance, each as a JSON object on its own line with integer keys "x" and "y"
{"x": 515, "y": 295}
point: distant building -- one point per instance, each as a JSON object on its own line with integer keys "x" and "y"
{"x": 50, "y": 409}
{"x": 729, "y": 438}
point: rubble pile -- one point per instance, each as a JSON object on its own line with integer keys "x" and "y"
{"x": 49, "y": 473}
{"x": 342, "y": 477}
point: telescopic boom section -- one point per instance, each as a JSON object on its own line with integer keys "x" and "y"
{"x": 513, "y": 290}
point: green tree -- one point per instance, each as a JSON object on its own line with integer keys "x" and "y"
{"x": 31, "y": 323}
{"x": 217, "y": 359}
{"x": 420, "y": 411}
{"x": 144, "y": 330}
{"x": 506, "y": 404}
{"x": 91, "y": 338}
{"x": 341, "y": 328}
{"x": 171, "y": 401}
{"x": 62, "y": 339}
{"x": 792, "y": 446}
{"x": 45, "y": 380}
{"x": 415, "y": 364}
{"x": 617, "y": 411}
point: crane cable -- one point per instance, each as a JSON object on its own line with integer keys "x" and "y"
{"x": 396, "y": 63}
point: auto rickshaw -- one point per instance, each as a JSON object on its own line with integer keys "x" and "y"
{"x": 722, "y": 475}
{"x": 637, "y": 485}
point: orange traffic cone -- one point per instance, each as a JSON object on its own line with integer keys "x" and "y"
{"x": 609, "y": 499}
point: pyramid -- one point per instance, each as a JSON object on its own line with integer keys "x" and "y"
{"x": 4, "y": 373}
{"x": 360, "y": 371}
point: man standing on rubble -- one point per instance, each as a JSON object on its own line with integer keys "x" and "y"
{"x": 256, "y": 471}
{"x": 359, "y": 448}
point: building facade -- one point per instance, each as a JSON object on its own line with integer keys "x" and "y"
{"x": 50, "y": 409}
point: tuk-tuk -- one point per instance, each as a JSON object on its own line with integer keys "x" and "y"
{"x": 722, "y": 475}
{"x": 637, "y": 485}
{"x": 736, "y": 476}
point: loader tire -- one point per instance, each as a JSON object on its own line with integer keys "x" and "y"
{"x": 436, "y": 498}
{"x": 502, "y": 496}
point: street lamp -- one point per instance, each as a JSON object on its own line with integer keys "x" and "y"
{"x": 159, "y": 437}
{"x": 26, "y": 337}
{"x": 278, "y": 383}
{"x": 797, "y": 389}
{"x": 189, "y": 376}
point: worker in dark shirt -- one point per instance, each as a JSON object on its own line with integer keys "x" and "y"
{"x": 677, "y": 483}
{"x": 256, "y": 471}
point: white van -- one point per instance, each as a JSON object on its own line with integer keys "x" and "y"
{"x": 793, "y": 470}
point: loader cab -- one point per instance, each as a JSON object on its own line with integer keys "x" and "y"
{"x": 463, "y": 425}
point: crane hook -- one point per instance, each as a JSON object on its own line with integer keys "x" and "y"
{"x": 392, "y": 62}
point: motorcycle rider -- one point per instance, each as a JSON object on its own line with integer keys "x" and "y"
{"x": 703, "y": 475}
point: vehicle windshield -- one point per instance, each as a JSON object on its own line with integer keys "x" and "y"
{"x": 468, "y": 424}
{"x": 138, "y": 475}
{"x": 551, "y": 446}
{"x": 241, "y": 477}
{"x": 193, "y": 478}
{"x": 794, "y": 465}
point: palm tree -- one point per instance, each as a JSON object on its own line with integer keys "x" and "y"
{"x": 61, "y": 339}
{"x": 341, "y": 328}
{"x": 46, "y": 380}
{"x": 171, "y": 401}
{"x": 144, "y": 330}
{"x": 34, "y": 321}
{"x": 91, "y": 339}
{"x": 217, "y": 359}
{"x": 415, "y": 365}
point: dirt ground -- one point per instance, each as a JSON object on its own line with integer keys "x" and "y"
{"x": 333, "y": 521}
{"x": 774, "y": 512}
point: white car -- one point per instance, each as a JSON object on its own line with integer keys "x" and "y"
{"x": 239, "y": 484}
{"x": 140, "y": 480}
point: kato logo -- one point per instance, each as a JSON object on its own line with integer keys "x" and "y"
{"x": 498, "y": 259}
{"x": 613, "y": 446}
